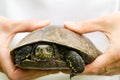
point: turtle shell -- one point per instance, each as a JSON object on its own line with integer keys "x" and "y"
{"x": 62, "y": 36}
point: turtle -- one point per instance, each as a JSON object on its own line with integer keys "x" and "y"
{"x": 54, "y": 48}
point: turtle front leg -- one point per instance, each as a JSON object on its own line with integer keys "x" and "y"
{"x": 22, "y": 54}
{"x": 74, "y": 61}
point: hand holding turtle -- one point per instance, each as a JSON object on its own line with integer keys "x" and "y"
{"x": 8, "y": 29}
{"x": 109, "y": 62}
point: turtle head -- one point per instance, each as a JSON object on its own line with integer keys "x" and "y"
{"x": 44, "y": 51}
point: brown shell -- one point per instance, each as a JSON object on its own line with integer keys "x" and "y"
{"x": 62, "y": 36}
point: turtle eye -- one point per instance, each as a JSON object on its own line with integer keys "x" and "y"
{"x": 38, "y": 50}
{"x": 50, "y": 49}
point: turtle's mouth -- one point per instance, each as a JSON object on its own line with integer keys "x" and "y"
{"x": 44, "y": 55}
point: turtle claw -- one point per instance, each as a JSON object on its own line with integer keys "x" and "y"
{"x": 72, "y": 74}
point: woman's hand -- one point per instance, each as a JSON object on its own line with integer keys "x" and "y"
{"x": 8, "y": 29}
{"x": 109, "y": 62}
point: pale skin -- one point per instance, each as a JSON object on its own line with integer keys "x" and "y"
{"x": 109, "y": 62}
{"x": 106, "y": 64}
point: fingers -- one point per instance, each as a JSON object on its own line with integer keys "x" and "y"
{"x": 102, "y": 63}
{"x": 27, "y": 26}
{"x": 113, "y": 68}
{"x": 87, "y": 26}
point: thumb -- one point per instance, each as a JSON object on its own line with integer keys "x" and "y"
{"x": 86, "y": 26}
{"x": 25, "y": 26}
{"x": 29, "y": 25}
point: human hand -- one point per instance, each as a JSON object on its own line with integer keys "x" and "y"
{"x": 109, "y": 62}
{"x": 8, "y": 29}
